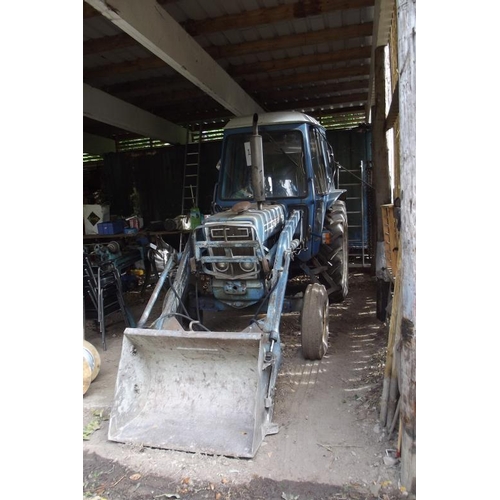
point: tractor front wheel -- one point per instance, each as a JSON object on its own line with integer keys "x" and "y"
{"x": 314, "y": 322}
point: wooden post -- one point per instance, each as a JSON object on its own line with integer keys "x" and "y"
{"x": 407, "y": 111}
{"x": 389, "y": 361}
{"x": 380, "y": 150}
{"x": 379, "y": 142}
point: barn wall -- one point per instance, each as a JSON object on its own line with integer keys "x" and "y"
{"x": 157, "y": 175}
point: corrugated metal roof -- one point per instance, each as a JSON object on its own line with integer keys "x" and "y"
{"x": 244, "y": 44}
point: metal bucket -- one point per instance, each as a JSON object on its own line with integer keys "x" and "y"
{"x": 193, "y": 391}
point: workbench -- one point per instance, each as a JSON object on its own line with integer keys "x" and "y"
{"x": 134, "y": 247}
{"x": 140, "y": 234}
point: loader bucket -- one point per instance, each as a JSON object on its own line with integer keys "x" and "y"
{"x": 192, "y": 391}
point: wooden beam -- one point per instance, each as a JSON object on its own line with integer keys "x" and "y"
{"x": 202, "y": 109}
{"x": 325, "y": 92}
{"x": 194, "y": 115}
{"x": 107, "y": 44}
{"x": 174, "y": 82}
{"x": 269, "y": 15}
{"x": 234, "y": 71}
{"x": 252, "y": 87}
{"x": 178, "y": 91}
{"x": 122, "y": 68}
{"x": 311, "y": 90}
{"x": 113, "y": 42}
{"x": 156, "y": 30}
{"x": 354, "y": 110}
{"x": 300, "y": 62}
{"x": 308, "y": 77}
{"x": 160, "y": 103}
{"x": 355, "y": 113}
{"x": 186, "y": 116}
{"x": 289, "y": 41}
{"x": 318, "y": 102}
{"x": 105, "y": 108}
{"x": 174, "y": 97}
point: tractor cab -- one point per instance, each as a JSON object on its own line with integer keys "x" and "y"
{"x": 284, "y": 165}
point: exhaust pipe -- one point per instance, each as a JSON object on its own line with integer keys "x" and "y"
{"x": 256, "y": 151}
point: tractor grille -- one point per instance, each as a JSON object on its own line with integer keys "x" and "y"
{"x": 237, "y": 243}
{"x": 231, "y": 233}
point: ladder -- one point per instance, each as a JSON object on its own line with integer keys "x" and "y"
{"x": 190, "y": 184}
{"x": 354, "y": 181}
{"x": 191, "y": 174}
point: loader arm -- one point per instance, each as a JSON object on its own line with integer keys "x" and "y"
{"x": 279, "y": 275}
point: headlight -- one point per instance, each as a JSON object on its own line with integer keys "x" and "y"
{"x": 247, "y": 266}
{"x": 222, "y": 266}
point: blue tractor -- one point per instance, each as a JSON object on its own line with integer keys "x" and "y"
{"x": 278, "y": 215}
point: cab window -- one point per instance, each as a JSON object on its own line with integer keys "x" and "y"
{"x": 318, "y": 161}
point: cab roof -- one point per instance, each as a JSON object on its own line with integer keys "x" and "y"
{"x": 273, "y": 118}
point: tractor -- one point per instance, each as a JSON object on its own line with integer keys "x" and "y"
{"x": 278, "y": 217}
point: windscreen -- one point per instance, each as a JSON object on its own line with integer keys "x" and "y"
{"x": 284, "y": 170}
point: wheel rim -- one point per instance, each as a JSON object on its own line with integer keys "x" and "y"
{"x": 324, "y": 337}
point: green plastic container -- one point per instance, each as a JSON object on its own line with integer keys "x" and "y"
{"x": 194, "y": 218}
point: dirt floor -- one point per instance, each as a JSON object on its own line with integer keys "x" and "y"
{"x": 329, "y": 445}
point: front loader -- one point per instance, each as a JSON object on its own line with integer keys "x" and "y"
{"x": 277, "y": 214}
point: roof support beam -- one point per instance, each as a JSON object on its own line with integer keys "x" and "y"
{"x": 155, "y": 29}
{"x": 108, "y": 109}
{"x": 382, "y": 18}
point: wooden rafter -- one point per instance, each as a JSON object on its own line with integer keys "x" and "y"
{"x": 290, "y": 41}
{"x": 312, "y": 90}
{"x": 307, "y": 77}
{"x": 158, "y": 83}
{"x": 140, "y": 64}
{"x": 317, "y": 102}
{"x": 241, "y": 70}
{"x": 107, "y": 43}
{"x": 301, "y": 61}
{"x": 265, "y": 45}
{"x": 201, "y": 109}
{"x": 258, "y": 17}
{"x": 265, "y": 97}
{"x": 178, "y": 90}
{"x": 355, "y": 110}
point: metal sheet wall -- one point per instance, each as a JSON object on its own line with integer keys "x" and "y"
{"x": 157, "y": 176}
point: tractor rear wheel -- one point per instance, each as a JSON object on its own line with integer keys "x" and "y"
{"x": 314, "y": 322}
{"x": 335, "y": 253}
